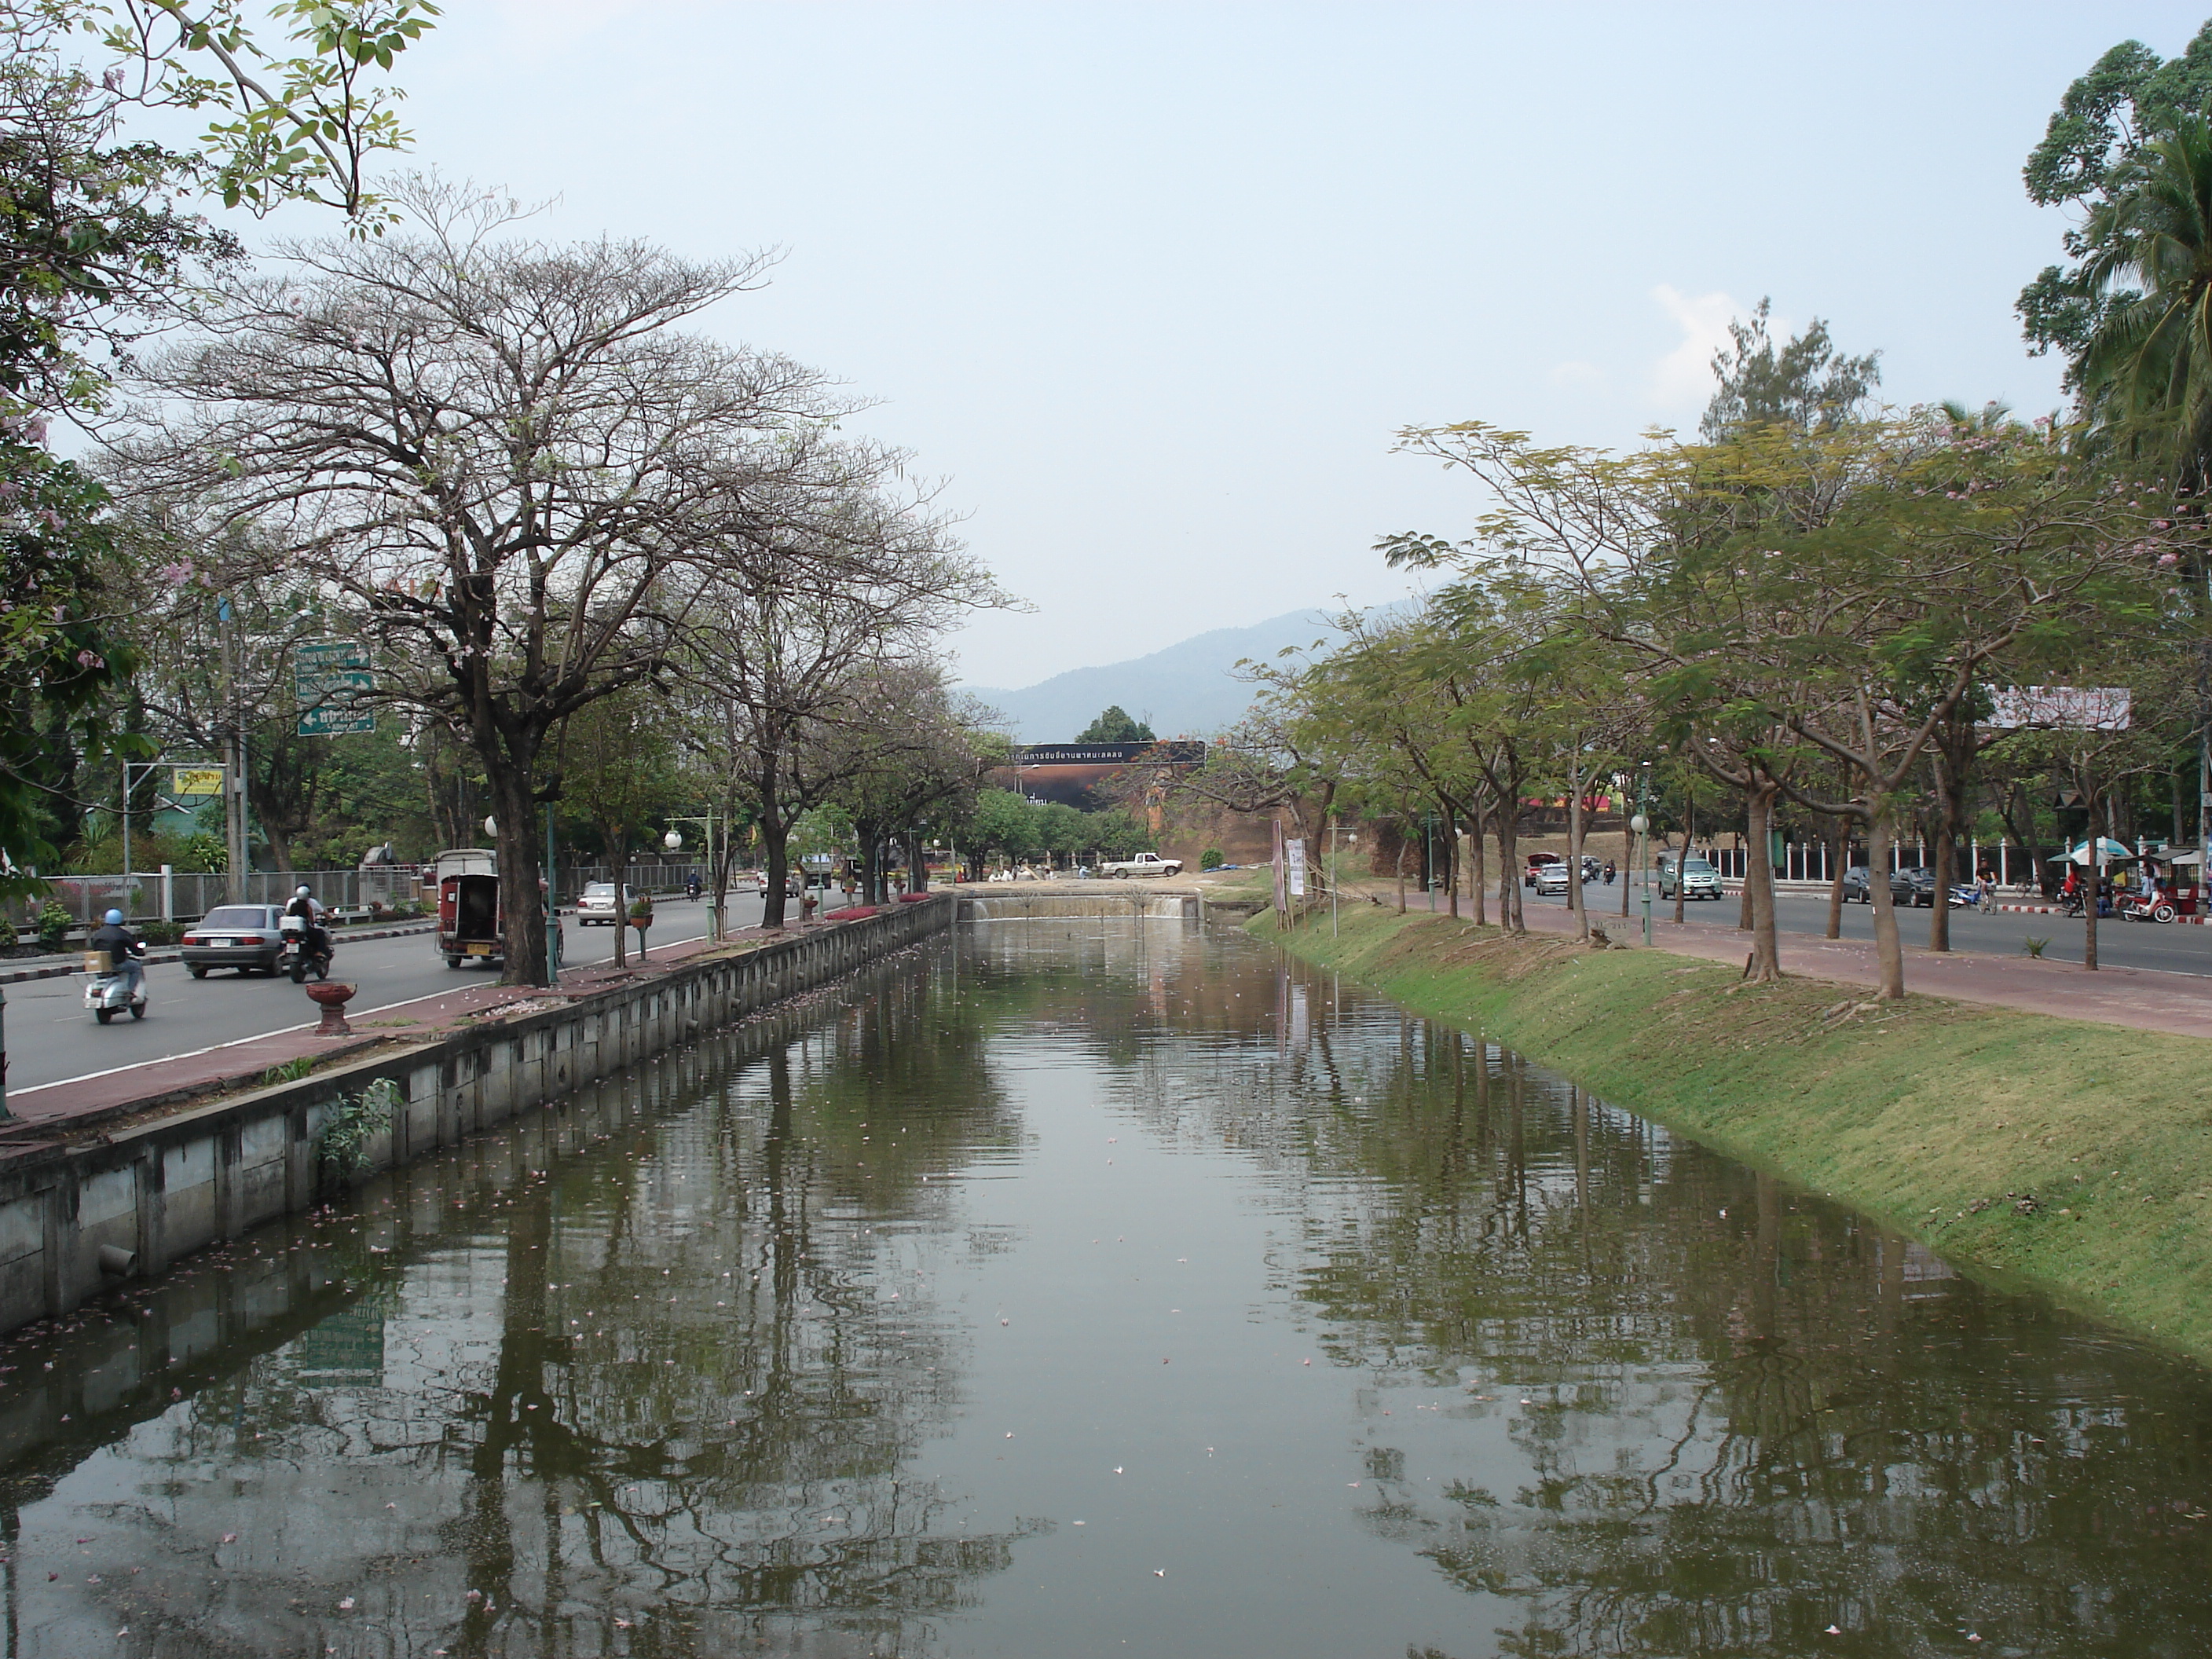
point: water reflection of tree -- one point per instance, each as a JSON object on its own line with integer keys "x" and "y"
{"x": 1748, "y": 1416}
{"x": 690, "y": 1419}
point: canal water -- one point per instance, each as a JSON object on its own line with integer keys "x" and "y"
{"x": 1094, "y": 1289}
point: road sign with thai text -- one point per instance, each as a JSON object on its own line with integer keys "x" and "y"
{"x": 196, "y": 781}
{"x": 329, "y": 679}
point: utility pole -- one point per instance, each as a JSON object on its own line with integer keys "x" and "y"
{"x": 234, "y": 792}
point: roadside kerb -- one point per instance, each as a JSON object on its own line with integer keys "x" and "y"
{"x": 83, "y": 1208}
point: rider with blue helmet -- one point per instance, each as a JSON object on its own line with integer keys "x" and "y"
{"x": 123, "y": 946}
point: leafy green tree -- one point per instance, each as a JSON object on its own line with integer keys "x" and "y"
{"x": 1005, "y": 822}
{"x": 1115, "y": 725}
{"x": 1806, "y": 385}
{"x": 2103, "y": 125}
{"x": 2144, "y": 371}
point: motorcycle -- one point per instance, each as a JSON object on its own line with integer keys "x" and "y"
{"x": 2151, "y": 907}
{"x": 106, "y": 989}
{"x": 300, "y": 954}
{"x": 691, "y": 888}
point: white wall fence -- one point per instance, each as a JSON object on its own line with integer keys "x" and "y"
{"x": 1811, "y": 861}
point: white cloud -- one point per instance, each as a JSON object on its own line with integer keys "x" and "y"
{"x": 1685, "y": 375}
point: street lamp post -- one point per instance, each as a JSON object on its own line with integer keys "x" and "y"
{"x": 674, "y": 842}
{"x": 1353, "y": 835}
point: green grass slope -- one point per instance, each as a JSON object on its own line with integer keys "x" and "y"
{"x": 2078, "y": 1157}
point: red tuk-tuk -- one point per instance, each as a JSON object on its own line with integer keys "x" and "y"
{"x": 469, "y": 914}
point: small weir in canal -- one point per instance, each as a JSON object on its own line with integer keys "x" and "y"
{"x": 1091, "y": 1286}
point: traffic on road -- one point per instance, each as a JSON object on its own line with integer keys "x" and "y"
{"x": 51, "y": 1038}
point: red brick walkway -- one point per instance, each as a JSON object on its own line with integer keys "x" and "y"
{"x": 2142, "y": 999}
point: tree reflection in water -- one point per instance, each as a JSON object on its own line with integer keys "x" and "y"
{"x": 1745, "y": 1415}
{"x": 654, "y": 1396}
{"x": 655, "y": 1376}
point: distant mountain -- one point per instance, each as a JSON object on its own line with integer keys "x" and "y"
{"x": 1186, "y": 691}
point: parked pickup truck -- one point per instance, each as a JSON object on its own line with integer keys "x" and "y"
{"x": 1144, "y": 863}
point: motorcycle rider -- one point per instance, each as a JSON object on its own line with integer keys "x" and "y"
{"x": 124, "y": 949}
{"x": 303, "y": 905}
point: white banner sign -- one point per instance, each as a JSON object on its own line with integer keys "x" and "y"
{"x": 2080, "y": 707}
{"x": 1294, "y": 861}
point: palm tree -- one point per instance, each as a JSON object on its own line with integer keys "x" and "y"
{"x": 2145, "y": 376}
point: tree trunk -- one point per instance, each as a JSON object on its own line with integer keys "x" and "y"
{"x": 1888, "y": 948}
{"x": 1759, "y": 882}
{"x": 1451, "y": 863}
{"x": 618, "y": 867}
{"x": 2094, "y": 872}
{"x": 1627, "y": 857}
{"x": 917, "y": 872}
{"x": 1478, "y": 872}
{"x": 1838, "y": 853}
{"x": 1575, "y": 849}
{"x": 1401, "y": 871}
{"x": 1509, "y": 875}
{"x": 522, "y": 930}
{"x": 872, "y": 865}
{"x": 1689, "y": 840}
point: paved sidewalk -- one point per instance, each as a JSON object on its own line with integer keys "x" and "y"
{"x": 2141, "y": 999}
{"x": 53, "y": 1109}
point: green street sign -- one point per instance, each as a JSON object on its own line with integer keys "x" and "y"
{"x": 329, "y": 676}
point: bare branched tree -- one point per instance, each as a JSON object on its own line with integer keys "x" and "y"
{"x": 502, "y": 459}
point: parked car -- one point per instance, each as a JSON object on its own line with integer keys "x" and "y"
{"x": 240, "y": 936}
{"x": 1538, "y": 863}
{"x": 1858, "y": 885}
{"x": 1695, "y": 876}
{"x": 1551, "y": 878}
{"x": 596, "y": 907}
{"x": 1913, "y": 887}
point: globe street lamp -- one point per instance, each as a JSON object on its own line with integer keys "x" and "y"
{"x": 1642, "y": 825}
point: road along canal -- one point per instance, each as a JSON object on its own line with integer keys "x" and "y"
{"x": 1092, "y": 1287}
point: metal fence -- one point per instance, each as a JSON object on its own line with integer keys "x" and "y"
{"x": 186, "y": 896}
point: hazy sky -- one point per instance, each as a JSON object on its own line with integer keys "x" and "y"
{"x": 1152, "y": 286}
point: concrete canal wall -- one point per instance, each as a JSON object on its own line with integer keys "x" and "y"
{"x": 1141, "y": 905}
{"x": 77, "y": 1219}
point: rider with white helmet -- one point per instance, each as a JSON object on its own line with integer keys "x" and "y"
{"x": 303, "y": 904}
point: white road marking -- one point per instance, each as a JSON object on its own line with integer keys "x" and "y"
{"x": 304, "y": 1025}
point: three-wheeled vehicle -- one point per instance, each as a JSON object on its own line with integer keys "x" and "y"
{"x": 469, "y": 914}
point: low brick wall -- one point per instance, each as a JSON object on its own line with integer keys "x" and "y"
{"x": 75, "y": 1220}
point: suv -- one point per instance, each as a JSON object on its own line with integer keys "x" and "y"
{"x": 241, "y": 936}
{"x": 1915, "y": 886}
{"x": 1697, "y": 877}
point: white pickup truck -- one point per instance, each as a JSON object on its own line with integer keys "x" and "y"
{"x": 1144, "y": 863}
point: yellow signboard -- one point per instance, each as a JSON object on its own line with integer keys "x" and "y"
{"x": 196, "y": 780}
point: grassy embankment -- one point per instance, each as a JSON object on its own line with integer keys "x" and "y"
{"x": 2076, "y": 1155}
